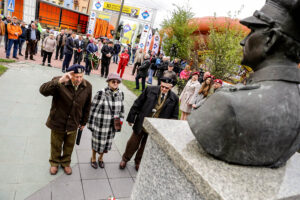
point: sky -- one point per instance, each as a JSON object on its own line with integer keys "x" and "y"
{"x": 200, "y": 8}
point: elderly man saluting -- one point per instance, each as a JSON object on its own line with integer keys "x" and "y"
{"x": 70, "y": 109}
{"x": 157, "y": 102}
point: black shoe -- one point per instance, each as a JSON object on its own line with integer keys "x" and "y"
{"x": 49, "y": 65}
{"x": 20, "y": 54}
{"x": 32, "y": 59}
{"x": 55, "y": 58}
{"x": 101, "y": 164}
{"x": 43, "y": 64}
{"x": 94, "y": 164}
{"x": 26, "y": 58}
{"x": 7, "y": 57}
{"x": 15, "y": 57}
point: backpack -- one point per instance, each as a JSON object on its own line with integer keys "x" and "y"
{"x": 157, "y": 61}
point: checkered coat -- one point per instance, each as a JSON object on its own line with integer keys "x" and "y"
{"x": 101, "y": 118}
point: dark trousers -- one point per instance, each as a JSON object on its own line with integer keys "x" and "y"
{"x": 59, "y": 49}
{"x": 137, "y": 84}
{"x": 136, "y": 143}
{"x": 137, "y": 64}
{"x": 67, "y": 60}
{"x": 87, "y": 66}
{"x": 45, "y": 55}
{"x": 12, "y": 42}
{"x": 105, "y": 67}
{"x": 62, "y": 145}
{"x": 21, "y": 42}
{"x": 115, "y": 58}
{"x": 77, "y": 57}
{"x": 30, "y": 49}
{"x": 5, "y": 42}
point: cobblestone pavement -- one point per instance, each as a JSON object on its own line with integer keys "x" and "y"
{"x": 25, "y": 144}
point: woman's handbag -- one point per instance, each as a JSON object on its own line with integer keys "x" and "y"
{"x": 117, "y": 124}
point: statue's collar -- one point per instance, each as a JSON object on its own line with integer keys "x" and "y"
{"x": 276, "y": 73}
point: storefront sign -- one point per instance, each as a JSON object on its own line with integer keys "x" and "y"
{"x": 127, "y": 10}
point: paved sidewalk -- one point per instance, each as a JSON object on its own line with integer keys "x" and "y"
{"x": 25, "y": 144}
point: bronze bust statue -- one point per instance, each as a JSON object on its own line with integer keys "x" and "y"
{"x": 258, "y": 124}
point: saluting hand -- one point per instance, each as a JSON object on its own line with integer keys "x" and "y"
{"x": 66, "y": 77}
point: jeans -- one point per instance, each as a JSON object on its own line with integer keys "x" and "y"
{"x": 67, "y": 60}
{"x": 137, "y": 84}
{"x": 132, "y": 60}
{"x": 151, "y": 71}
{"x": 21, "y": 42}
{"x": 12, "y": 42}
{"x": 115, "y": 58}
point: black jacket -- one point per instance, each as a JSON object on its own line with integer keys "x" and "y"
{"x": 143, "y": 69}
{"x": 117, "y": 48}
{"x": 153, "y": 63}
{"x": 24, "y": 30}
{"x": 143, "y": 105}
{"x": 76, "y": 44}
{"x": 161, "y": 68}
{"x": 106, "y": 50}
{"x": 69, "y": 46}
{"x": 28, "y": 34}
{"x": 176, "y": 67}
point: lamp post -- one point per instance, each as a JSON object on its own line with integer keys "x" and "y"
{"x": 119, "y": 17}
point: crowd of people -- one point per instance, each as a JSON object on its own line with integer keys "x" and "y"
{"x": 104, "y": 114}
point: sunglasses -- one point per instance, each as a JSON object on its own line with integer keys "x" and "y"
{"x": 164, "y": 87}
{"x": 115, "y": 81}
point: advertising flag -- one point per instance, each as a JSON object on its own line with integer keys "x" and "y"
{"x": 149, "y": 41}
{"x": 156, "y": 42}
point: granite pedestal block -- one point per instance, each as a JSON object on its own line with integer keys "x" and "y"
{"x": 174, "y": 166}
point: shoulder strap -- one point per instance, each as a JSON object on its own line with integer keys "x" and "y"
{"x": 109, "y": 105}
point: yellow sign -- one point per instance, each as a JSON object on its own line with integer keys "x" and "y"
{"x": 127, "y": 10}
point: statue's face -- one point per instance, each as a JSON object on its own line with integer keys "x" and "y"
{"x": 253, "y": 47}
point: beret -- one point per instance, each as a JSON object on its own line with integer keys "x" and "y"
{"x": 76, "y": 68}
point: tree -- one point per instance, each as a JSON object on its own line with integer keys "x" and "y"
{"x": 179, "y": 42}
{"x": 226, "y": 52}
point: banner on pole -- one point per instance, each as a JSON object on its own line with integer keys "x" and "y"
{"x": 148, "y": 41}
{"x": 92, "y": 23}
{"x": 144, "y": 35}
{"x": 156, "y": 42}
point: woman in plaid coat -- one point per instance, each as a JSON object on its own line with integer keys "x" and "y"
{"x": 106, "y": 105}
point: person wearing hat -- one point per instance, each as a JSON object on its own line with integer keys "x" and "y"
{"x": 170, "y": 72}
{"x": 217, "y": 84}
{"x": 188, "y": 95}
{"x": 49, "y": 45}
{"x": 106, "y": 106}
{"x": 257, "y": 124}
{"x": 107, "y": 52}
{"x": 124, "y": 59}
{"x": 155, "y": 101}
{"x": 71, "y": 102}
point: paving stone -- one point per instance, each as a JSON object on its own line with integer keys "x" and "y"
{"x": 96, "y": 189}
{"x": 75, "y": 176}
{"x": 24, "y": 190}
{"x": 68, "y": 190}
{"x": 112, "y": 156}
{"x": 7, "y": 191}
{"x": 121, "y": 187}
{"x": 9, "y": 173}
{"x": 131, "y": 168}
{"x": 113, "y": 171}
{"x": 84, "y": 156}
{"x": 42, "y": 194}
{"x": 87, "y": 172}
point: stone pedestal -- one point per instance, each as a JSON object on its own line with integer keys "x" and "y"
{"x": 175, "y": 167}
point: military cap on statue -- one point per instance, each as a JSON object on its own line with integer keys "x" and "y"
{"x": 281, "y": 15}
{"x": 76, "y": 68}
{"x": 168, "y": 80}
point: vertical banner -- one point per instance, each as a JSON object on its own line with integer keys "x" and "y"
{"x": 144, "y": 35}
{"x": 156, "y": 42}
{"x": 92, "y": 23}
{"x": 148, "y": 41}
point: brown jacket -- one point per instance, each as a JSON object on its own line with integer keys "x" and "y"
{"x": 2, "y": 28}
{"x": 69, "y": 108}
{"x": 63, "y": 40}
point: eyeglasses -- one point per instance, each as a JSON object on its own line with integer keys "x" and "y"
{"x": 115, "y": 81}
{"x": 164, "y": 87}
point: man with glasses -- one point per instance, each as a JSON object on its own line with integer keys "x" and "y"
{"x": 157, "y": 102}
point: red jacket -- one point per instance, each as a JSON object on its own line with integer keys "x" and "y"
{"x": 124, "y": 59}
